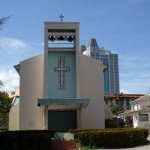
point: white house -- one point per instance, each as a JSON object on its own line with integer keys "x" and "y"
{"x": 60, "y": 89}
{"x": 140, "y": 112}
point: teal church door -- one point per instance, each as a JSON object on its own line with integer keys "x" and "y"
{"x": 62, "y": 121}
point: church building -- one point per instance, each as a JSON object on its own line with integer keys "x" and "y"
{"x": 61, "y": 89}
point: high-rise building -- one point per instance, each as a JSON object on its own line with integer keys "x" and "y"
{"x": 111, "y": 73}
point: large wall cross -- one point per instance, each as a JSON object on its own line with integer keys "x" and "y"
{"x": 61, "y": 69}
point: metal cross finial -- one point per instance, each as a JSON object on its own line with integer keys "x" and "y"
{"x": 61, "y": 17}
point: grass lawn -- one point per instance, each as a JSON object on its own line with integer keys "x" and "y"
{"x": 87, "y": 148}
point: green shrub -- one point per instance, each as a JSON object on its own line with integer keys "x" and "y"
{"x": 25, "y": 140}
{"x": 111, "y": 138}
{"x": 7, "y": 141}
{"x": 109, "y": 123}
{"x": 34, "y": 141}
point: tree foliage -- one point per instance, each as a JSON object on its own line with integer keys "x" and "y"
{"x": 5, "y": 104}
{"x": 116, "y": 110}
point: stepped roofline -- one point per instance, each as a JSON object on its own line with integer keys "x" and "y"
{"x": 93, "y": 43}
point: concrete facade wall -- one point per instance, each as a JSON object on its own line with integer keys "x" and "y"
{"x": 31, "y": 117}
{"x": 137, "y": 123}
{"x": 31, "y": 88}
{"x": 14, "y": 118}
{"x": 139, "y": 106}
{"x": 144, "y": 103}
{"x": 91, "y": 86}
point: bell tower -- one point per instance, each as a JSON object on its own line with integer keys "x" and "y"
{"x": 61, "y": 46}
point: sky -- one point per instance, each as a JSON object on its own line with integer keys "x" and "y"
{"x": 121, "y": 26}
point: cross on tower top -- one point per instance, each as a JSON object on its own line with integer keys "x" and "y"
{"x": 61, "y": 17}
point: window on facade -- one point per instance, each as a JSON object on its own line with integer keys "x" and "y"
{"x": 127, "y": 102}
{"x": 143, "y": 117}
{"x": 12, "y": 93}
{"x": 92, "y": 55}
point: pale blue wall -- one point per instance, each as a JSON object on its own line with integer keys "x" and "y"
{"x": 70, "y": 77}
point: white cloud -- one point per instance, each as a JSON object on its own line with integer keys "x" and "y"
{"x": 134, "y": 73}
{"x": 10, "y": 80}
{"x": 134, "y": 62}
{"x": 128, "y": 61}
{"x": 135, "y": 85}
{"x": 10, "y": 44}
{"x": 12, "y": 51}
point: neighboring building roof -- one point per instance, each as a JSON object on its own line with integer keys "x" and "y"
{"x": 14, "y": 93}
{"x": 121, "y": 96}
{"x": 142, "y": 98}
{"x": 136, "y": 101}
{"x": 17, "y": 67}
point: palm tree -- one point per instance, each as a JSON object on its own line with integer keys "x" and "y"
{"x": 3, "y": 21}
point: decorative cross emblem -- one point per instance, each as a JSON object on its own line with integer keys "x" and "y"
{"x": 61, "y": 69}
{"x": 61, "y": 17}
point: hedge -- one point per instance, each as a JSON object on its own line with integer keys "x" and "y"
{"x": 110, "y": 123}
{"x": 25, "y": 140}
{"x": 111, "y": 138}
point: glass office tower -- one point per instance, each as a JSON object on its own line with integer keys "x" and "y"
{"x": 111, "y": 73}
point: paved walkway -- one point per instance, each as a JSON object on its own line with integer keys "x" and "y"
{"x": 145, "y": 147}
